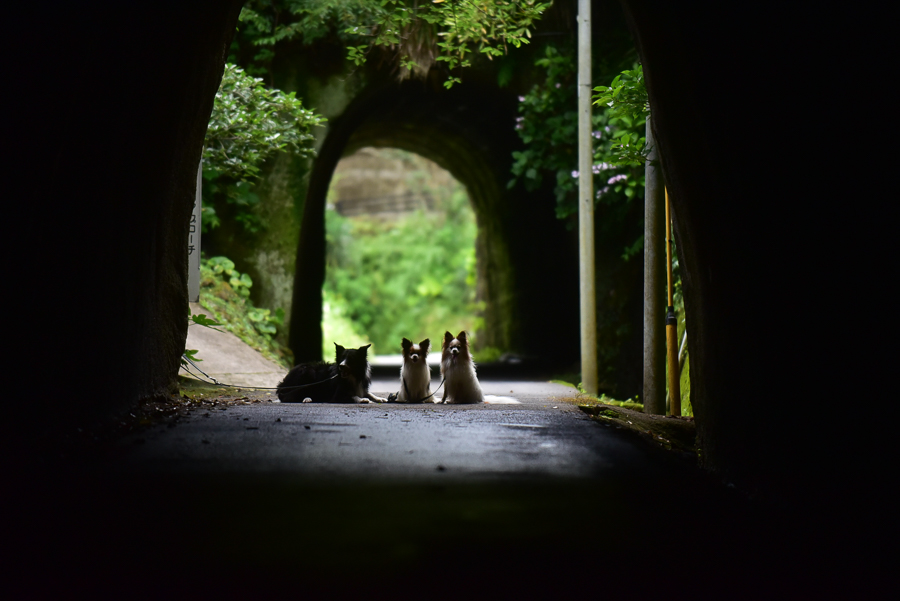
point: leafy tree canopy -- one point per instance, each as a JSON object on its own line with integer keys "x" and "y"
{"x": 420, "y": 34}
{"x": 548, "y": 127}
{"x": 250, "y": 123}
{"x": 626, "y": 102}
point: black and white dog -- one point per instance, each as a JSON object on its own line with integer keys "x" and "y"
{"x": 347, "y": 380}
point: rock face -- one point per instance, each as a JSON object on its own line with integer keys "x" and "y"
{"x": 111, "y": 110}
{"x": 749, "y": 213}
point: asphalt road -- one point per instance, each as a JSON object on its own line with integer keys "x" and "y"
{"x": 523, "y": 432}
{"x": 522, "y": 498}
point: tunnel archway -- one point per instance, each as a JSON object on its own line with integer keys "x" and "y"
{"x": 400, "y": 254}
{"x": 469, "y": 131}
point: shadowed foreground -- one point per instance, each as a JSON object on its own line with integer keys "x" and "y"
{"x": 390, "y": 501}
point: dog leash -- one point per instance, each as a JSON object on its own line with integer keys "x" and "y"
{"x": 392, "y": 398}
{"x": 216, "y": 382}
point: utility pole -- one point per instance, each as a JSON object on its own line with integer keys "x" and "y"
{"x": 587, "y": 273}
{"x": 654, "y": 391}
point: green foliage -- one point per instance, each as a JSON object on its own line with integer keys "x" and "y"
{"x": 626, "y": 102}
{"x": 265, "y": 321}
{"x": 224, "y": 292}
{"x": 190, "y": 354}
{"x": 634, "y": 405}
{"x": 203, "y": 320}
{"x": 488, "y": 354}
{"x": 248, "y": 125}
{"x": 412, "y": 278}
{"x": 548, "y": 126}
{"x": 419, "y": 34}
{"x": 686, "y": 408}
{"x": 586, "y": 400}
{"x": 486, "y": 27}
{"x": 678, "y": 299}
{"x": 200, "y": 320}
{"x": 337, "y": 326}
{"x": 267, "y": 22}
{"x": 224, "y": 267}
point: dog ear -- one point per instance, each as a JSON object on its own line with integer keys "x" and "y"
{"x": 426, "y": 345}
{"x": 462, "y": 336}
{"x": 364, "y": 349}
{"x": 405, "y": 344}
{"x": 338, "y": 351}
{"x": 448, "y": 338}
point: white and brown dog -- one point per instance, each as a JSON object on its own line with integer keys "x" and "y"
{"x": 415, "y": 375}
{"x": 458, "y": 370}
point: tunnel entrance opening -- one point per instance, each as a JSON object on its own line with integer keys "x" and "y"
{"x": 400, "y": 254}
{"x": 470, "y": 132}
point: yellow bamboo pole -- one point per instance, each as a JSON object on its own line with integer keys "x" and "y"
{"x": 672, "y": 326}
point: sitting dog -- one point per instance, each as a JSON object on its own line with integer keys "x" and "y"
{"x": 458, "y": 370}
{"x": 345, "y": 381}
{"x": 415, "y": 375}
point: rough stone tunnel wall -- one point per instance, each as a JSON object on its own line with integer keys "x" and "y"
{"x": 751, "y": 207}
{"x": 111, "y": 107}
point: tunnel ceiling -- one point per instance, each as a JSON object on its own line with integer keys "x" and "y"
{"x": 466, "y": 130}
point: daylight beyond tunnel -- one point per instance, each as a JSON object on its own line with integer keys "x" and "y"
{"x": 526, "y": 260}
{"x": 400, "y": 252}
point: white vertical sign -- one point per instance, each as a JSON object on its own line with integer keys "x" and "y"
{"x": 194, "y": 242}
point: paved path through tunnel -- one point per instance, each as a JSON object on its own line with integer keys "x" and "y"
{"x": 525, "y": 500}
{"x": 526, "y": 431}
{"x": 522, "y": 497}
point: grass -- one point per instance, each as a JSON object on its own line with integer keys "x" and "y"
{"x": 590, "y": 400}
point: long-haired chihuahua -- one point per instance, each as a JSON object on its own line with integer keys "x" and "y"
{"x": 415, "y": 375}
{"x": 458, "y": 370}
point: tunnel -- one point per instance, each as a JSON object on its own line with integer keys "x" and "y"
{"x": 743, "y": 100}
{"x": 467, "y": 130}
